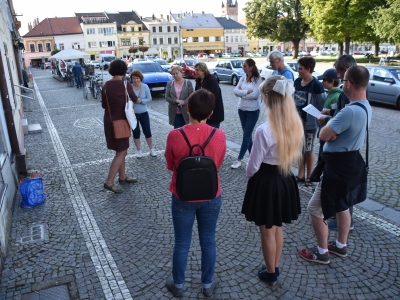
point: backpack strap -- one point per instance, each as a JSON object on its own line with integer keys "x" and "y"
{"x": 366, "y": 150}
{"x": 201, "y": 147}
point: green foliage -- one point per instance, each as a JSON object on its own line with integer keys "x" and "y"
{"x": 277, "y": 20}
{"x": 385, "y": 20}
{"x": 55, "y": 51}
{"x": 133, "y": 50}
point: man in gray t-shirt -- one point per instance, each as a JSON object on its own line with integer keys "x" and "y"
{"x": 344, "y": 135}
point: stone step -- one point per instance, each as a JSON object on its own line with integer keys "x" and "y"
{"x": 34, "y": 128}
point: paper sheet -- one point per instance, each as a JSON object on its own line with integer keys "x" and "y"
{"x": 312, "y": 110}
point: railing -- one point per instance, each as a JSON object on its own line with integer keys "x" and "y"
{"x": 25, "y": 88}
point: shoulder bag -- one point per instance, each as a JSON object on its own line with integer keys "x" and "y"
{"x": 129, "y": 112}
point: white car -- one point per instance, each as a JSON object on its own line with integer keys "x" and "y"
{"x": 293, "y": 66}
{"x": 249, "y": 54}
{"x": 95, "y": 64}
{"x": 226, "y": 55}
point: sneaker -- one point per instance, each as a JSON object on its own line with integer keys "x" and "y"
{"x": 170, "y": 284}
{"x": 264, "y": 267}
{"x": 153, "y": 152}
{"x": 342, "y": 252}
{"x": 236, "y": 164}
{"x": 314, "y": 256}
{"x": 139, "y": 154}
{"x": 270, "y": 278}
{"x": 209, "y": 291}
{"x": 332, "y": 225}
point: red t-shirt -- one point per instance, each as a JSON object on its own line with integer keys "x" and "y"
{"x": 177, "y": 149}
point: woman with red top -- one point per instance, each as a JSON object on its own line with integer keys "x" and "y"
{"x": 200, "y": 108}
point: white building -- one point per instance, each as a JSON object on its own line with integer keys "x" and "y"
{"x": 234, "y": 35}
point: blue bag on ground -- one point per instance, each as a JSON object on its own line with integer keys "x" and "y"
{"x": 32, "y": 192}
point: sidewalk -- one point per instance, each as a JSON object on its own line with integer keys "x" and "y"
{"x": 87, "y": 243}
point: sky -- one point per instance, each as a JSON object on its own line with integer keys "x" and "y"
{"x": 31, "y": 9}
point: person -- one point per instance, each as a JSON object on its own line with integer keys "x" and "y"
{"x": 277, "y": 62}
{"x": 308, "y": 90}
{"x": 142, "y": 92}
{"x": 177, "y": 95}
{"x": 382, "y": 61}
{"x": 248, "y": 107}
{"x": 272, "y": 195}
{"x": 114, "y": 93}
{"x": 200, "y": 107}
{"x": 207, "y": 81}
{"x": 77, "y": 69}
{"x": 344, "y": 178}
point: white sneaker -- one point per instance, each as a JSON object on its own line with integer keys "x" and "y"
{"x": 139, "y": 154}
{"x": 153, "y": 152}
{"x": 236, "y": 164}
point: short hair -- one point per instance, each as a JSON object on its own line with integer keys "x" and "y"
{"x": 176, "y": 68}
{"x": 136, "y": 73}
{"x": 344, "y": 61}
{"x": 335, "y": 81}
{"x": 203, "y": 67}
{"x": 201, "y": 103}
{"x": 117, "y": 67}
{"x": 276, "y": 54}
{"x": 359, "y": 76}
{"x": 255, "y": 74}
{"x": 307, "y": 62}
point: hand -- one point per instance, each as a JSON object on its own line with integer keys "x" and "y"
{"x": 326, "y": 111}
{"x": 249, "y": 92}
{"x": 333, "y": 138}
{"x": 139, "y": 100}
{"x": 239, "y": 87}
{"x": 180, "y": 102}
{"x": 322, "y": 120}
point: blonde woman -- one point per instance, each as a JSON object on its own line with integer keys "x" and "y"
{"x": 272, "y": 195}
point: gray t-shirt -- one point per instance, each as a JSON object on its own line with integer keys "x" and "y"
{"x": 349, "y": 123}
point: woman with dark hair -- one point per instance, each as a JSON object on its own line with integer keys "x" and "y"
{"x": 248, "y": 106}
{"x": 207, "y": 81}
{"x": 113, "y": 100}
{"x": 200, "y": 108}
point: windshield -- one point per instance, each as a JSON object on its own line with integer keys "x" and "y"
{"x": 293, "y": 65}
{"x": 190, "y": 63}
{"x": 396, "y": 73}
{"x": 237, "y": 64}
{"x": 162, "y": 62}
{"x": 108, "y": 58}
{"x": 147, "y": 68}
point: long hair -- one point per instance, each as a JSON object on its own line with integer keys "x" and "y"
{"x": 254, "y": 74}
{"x": 286, "y": 124}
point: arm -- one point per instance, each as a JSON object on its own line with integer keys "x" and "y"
{"x": 146, "y": 93}
{"x": 168, "y": 95}
{"x": 238, "y": 89}
{"x": 255, "y": 92}
{"x": 131, "y": 93}
{"x": 338, "y": 124}
{"x": 189, "y": 87}
{"x": 327, "y": 134}
{"x": 258, "y": 152}
{"x": 168, "y": 154}
{"x": 103, "y": 97}
{"x": 222, "y": 148}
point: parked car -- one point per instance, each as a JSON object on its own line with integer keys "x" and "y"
{"x": 202, "y": 55}
{"x": 226, "y": 55}
{"x": 267, "y": 70}
{"x": 358, "y": 52}
{"x": 94, "y": 63}
{"x": 164, "y": 64}
{"x": 384, "y": 85}
{"x": 249, "y": 54}
{"x": 154, "y": 75}
{"x": 229, "y": 70}
{"x": 47, "y": 65}
{"x": 187, "y": 66}
{"x": 257, "y": 54}
{"x": 314, "y": 53}
{"x": 304, "y": 53}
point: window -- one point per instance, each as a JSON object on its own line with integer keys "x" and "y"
{"x": 154, "y": 40}
{"x": 168, "y": 28}
{"x": 227, "y": 39}
{"x": 236, "y": 39}
{"x": 232, "y": 39}
{"x": 206, "y": 39}
{"x": 175, "y": 28}
{"x": 90, "y": 31}
{"x": 103, "y": 44}
{"x": 154, "y": 29}
{"x": 241, "y": 38}
{"x": 175, "y": 40}
{"x": 160, "y": 29}
{"x": 40, "y": 47}
{"x": 100, "y": 30}
{"x": 161, "y": 41}
{"x": 128, "y": 42}
{"x": 195, "y": 40}
{"x": 217, "y": 38}
{"x": 169, "y": 41}
{"x": 61, "y": 46}
{"x": 48, "y": 48}
{"x": 32, "y": 46}
{"x": 92, "y": 45}
{"x": 122, "y": 42}
{"x": 139, "y": 28}
{"x": 109, "y": 31}
{"x": 110, "y": 43}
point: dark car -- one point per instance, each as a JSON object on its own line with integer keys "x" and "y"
{"x": 229, "y": 70}
{"x": 154, "y": 75}
{"x": 187, "y": 66}
{"x": 384, "y": 85}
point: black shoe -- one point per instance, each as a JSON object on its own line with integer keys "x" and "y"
{"x": 170, "y": 284}
{"x": 264, "y": 267}
{"x": 269, "y": 278}
{"x": 209, "y": 291}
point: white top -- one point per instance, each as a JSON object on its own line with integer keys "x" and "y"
{"x": 248, "y": 102}
{"x": 264, "y": 150}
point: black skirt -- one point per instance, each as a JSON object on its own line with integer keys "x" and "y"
{"x": 271, "y": 199}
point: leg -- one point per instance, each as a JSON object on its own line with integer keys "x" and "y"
{"x": 271, "y": 244}
{"x": 179, "y": 121}
{"x": 343, "y": 221}
{"x": 137, "y": 144}
{"x": 310, "y": 163}
{"x": 136, "y": 131}
{"x": 302, "y": 167}
{"x": 115, "y": 166}
{"x": 183, "y": 214}
{"x": 248, "y": 119}
{"x": 207, "y": 216}
{"x": 145, "y": 122}
{"x": 321, "y": 231}
{"x": 150, "y": 142}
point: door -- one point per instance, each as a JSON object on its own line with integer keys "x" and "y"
{"x": 382, "y": 87}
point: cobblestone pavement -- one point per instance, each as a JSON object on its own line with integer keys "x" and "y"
{"x": 107, "y": 246}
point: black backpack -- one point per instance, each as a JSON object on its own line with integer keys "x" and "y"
{"x": 197, "y": 177}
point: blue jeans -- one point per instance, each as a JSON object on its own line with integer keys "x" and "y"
{"x": 179, "y": 121}
{"x": 183, "y": 214}
{"x": 144, "y": 121}
{"x": 78, "y": 80}
{"x": 248, "y": 119}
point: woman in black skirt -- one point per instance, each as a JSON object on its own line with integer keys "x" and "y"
{"x": 272, "y": 195}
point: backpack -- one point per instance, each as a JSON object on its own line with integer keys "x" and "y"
{"x": 197, "y": 174}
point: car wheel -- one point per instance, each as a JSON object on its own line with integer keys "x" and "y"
{"x": 216, "y": 77}
{"x": 235, "y": 80}
{"x": 398, "y": 103}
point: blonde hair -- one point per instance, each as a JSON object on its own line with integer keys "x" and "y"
{"x": 176, "y": 68}
{"x": 286, "y": 124}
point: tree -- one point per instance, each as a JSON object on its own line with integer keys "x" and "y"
{"x": 164, "y": 53}
{"x": 55, "y": 51}
{"x": 277, "y": 20}
{"x": 176, "y": 52}
{"x": 385, "y": 21}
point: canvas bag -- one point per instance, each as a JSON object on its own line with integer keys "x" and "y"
{"x": 129, "y": 112}
{"x": 197, "y": 177}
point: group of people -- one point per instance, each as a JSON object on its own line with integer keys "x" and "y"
{"x": 285, "y": 139}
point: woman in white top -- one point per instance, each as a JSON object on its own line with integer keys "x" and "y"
{"x": 248, "y": 107}
{"x": 272, "y": 195}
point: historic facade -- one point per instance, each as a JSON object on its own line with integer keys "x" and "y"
{"x": 231, "y": 9}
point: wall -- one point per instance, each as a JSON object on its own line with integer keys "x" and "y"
{"x": 69, "y": 39}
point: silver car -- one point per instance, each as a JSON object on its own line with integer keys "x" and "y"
{"x": 384, "y": 85}
{"x": 229, "y": 70}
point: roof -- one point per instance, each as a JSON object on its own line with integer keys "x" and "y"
{"x": 81, "y": 16}
{"x": 55, "y": 26}
{"x": 230, "y": 23}
{"x": 123, "y": 17}
{"x": 190, "y": 21}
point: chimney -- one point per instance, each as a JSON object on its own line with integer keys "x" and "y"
{"x": 192, "y": 13}
{"x": 168, "y": 18}
{"x": 161, "y": 16}
{"x": 29, "y": 26}
{"x": 202, "y": 12}
{"x": 37, "y": 18}
{"x": 153, "y": 17}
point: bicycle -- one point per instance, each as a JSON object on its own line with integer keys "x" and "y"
{"x": 95, "y": 85}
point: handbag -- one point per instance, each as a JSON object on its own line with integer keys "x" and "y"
{"x": 121, "y": 128}
{"x": 129, "y": 112}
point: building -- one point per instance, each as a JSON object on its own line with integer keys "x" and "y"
{"x": 200, "y": 33}
{"x": 230, "y": 9}
{"x": 164, "y": 36}
{"x": 234, "y": 35}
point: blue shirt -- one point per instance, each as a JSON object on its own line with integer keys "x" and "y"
{"x": 286, "y": 72}
{"x": 77, "y": 69}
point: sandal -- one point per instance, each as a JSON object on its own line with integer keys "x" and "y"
{"x": 298, "y": 179}
{"x": 127, "y": 180}
{"x": 308, "y": 183}
{"x": 110, "y": 188}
